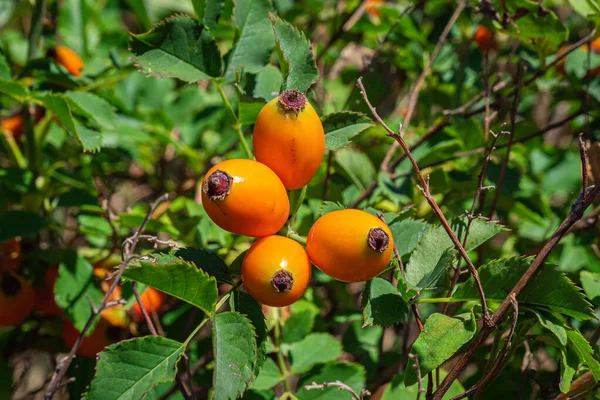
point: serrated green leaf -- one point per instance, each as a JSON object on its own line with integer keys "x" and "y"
{"x": 14, "y": 90}
{"x": 568, "y": 367}
{"x": 255, "y": 38}
{"x": 430, "y": 258}
{"x": 208, "y": 261}
{"x": 75, "y": 287}
{"x": 396, "y": 389}
{"x": 300, "y": 322}
{"x": 90, "y": 139}
{"x": 92, "y": 107}
{"x": 295, "y": 56}
{"x": 16, "y": 223}
{"x": 129, "y": 369}
{"x": 351, "y": 374}
{"x": 208, "y": 11}
{"x": 548, "y": 290}
{"x": 177, "y": 48}
{"x": 407, "y": 233}
{"x": 441, "y": 337}
{"x": 342, "y": 126}
{"x": 329, "y": 206}
{"x": 591, "y": 284}
{"x": 382, "y": 304}
{"x": 315, "y": 348}
{"x": 243, "y": 303}
{"x": 182, "y": 280}
{"x": 267, "y": 83}
{"x": 552, "y": 324}
{"x": 234, "y": 348}
{"x": 584, "y": 351}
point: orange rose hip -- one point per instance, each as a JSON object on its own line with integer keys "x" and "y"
{"x": 289, "y": 138}
{"x": 245, "y": 197}
{"x": 17, "y": 299}
{"x": 350, "y": 245}
{"x": 68, "y": 59}
{"x": 276, "y": 271}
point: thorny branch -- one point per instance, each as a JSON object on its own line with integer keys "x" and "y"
{"x": 436, "y": 209}
{"x": 417, "y": 368}
{"x": 63, "y": 365}
{"x": 341, "y": 386}
{"x": 577, "y": 209}
{"x": 585, "y": 164}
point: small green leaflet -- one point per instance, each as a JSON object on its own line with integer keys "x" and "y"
{"x": 382, "y": 304}
{"x": 295, "y": 56}
{"x": 129, "y": 369}
{"x": 548, "y": 290}
{"x": 440, "y": 339}
{"x": 178, "y": 48}
{"x": 342, "y": 126}
{"x": 315, "y": 348}
{"x": 14, "y": 90}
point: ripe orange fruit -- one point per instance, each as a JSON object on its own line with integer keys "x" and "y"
{"x": 45, "y": 302}
{"x": 153, "y": 301}
{"x": 245, "y": 197}
{"x": 484, "y": 38}
{"x": 17, "y": 299}
{"x": 372, "y": 7}
{"x": 350, "y": 245}
{"x": 276, "y": 271}
{"x": 92, "y": 344}
{"x": 289, "y": 138}
{"x": 10, "y": 254}
{"x": 67, "y": 58}
{"x": 13, "y": 125}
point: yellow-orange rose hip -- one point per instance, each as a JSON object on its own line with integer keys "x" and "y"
{"x": 245, "y": 197}
{"x": 289, "y": 138}
{"x": 276, "y": 271}
{"x": 350, "y": 245}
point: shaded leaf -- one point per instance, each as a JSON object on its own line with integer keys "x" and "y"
{"x": 591, "y": 284}
{"x": 234, "y": 348}
{"x": 295, "y": 56}
{"x": 92, "y": 107}
{"x": 407, "y": 233}
{"x": 208, "y": 11}
{"x": 177, "y": 48}
{"x": 396, "y": 389}
{"x": 584, "y": 351}
{"x": 342, "y": 126}
{"x": 554, "y": 325}
{"x": 440, "y": 339}
{"x": 269, "y": 376}
{"x": 268, "y": 83}
{"x": 356, "y": 167}
{"x": 300, "y": 322}
{"x": 129, "y": 369}
{"x": 243, "y": 303}
{"x": 315, "y": 348}
{"x": 208, "y": 261}
{"x": 549, "y": 288}
{"x": 14, "y": 90}
{"x": 182, "y": 280}
{"x": 20, "y": 223}
{"x": 382, "y": 304}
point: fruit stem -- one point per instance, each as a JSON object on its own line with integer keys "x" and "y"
{"x": 293, "y": 235}
{"x": 236, "y": 122}
{"x": 296, "y": 199}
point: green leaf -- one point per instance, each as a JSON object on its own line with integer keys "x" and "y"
{"x": 268, "y": 82}
{"x": 243, "y": 303}
{"x": 548, "y": 290}
{"x": 568, "y": 367}
{"x": 301, "y": 321}
{"x": 396, "y": 389}
{"x": 430, "y": 258}
{"x": 440, "y": 339}
{"x": 255, "y": 38}
{"x": 591, "y": 284}
{"x": 75, "y": 287}
{"x": 90, "y": 139}
{"x": 382, "y": 304}
{"x": 129, "y": 369}
{"x": 14, "y": 90}
{"x": 177, "y": 48}
{"x": 329, "y": 206}
{"x": 356, "y": 167}
{"x": 269, "y": 376}
{"x": 179, "y": 279}
{"x": 584, "y": 351}
{"x": 295, "y": 56}
{"x": 20, "y": 223}
{"x": 407, "y": 233}
{"x": 248, "y": 110}
{"x": 4, "y": 69}
{"x": 314, "y": 349}
{"x": 342, "y": 126}
{"x": 586, "y": 8}
{"x": 208, "y": 261}
{"x": 92, "y": 107}
{"x": 554, "y": 325}
{"x": 351, "y": 374}
{"x": 208, "y": 11}
{"x": 234, "y": 347}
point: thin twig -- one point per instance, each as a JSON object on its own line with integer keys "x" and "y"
{"x": 63, "y": 365}
{"x": 577, "y": 209}
{"x": 341, "y": 386}
{"x": 414, "y": 95}
{"x": 524, "y": 368}
{"x": 417, "y": 368}
{"x": 585, "y": 164}
{"x": 151, "y": 326}
{"x": 430, "y": 199}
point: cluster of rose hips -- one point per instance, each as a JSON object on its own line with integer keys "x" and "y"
{"x": 248, "y": 197}
{"x": 19, "y": 299}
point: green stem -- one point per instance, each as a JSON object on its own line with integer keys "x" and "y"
{"x": 293, "y": 235}
{"x": 11, "y": 146}
{"x": 36, "y": 28}
{"x": 30, "y": 139}
{"x": 280, "y": 360}
{"x": 435, "y": 300}
{"x": 236, "y": 122}
{"x": 296, "y": 198}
